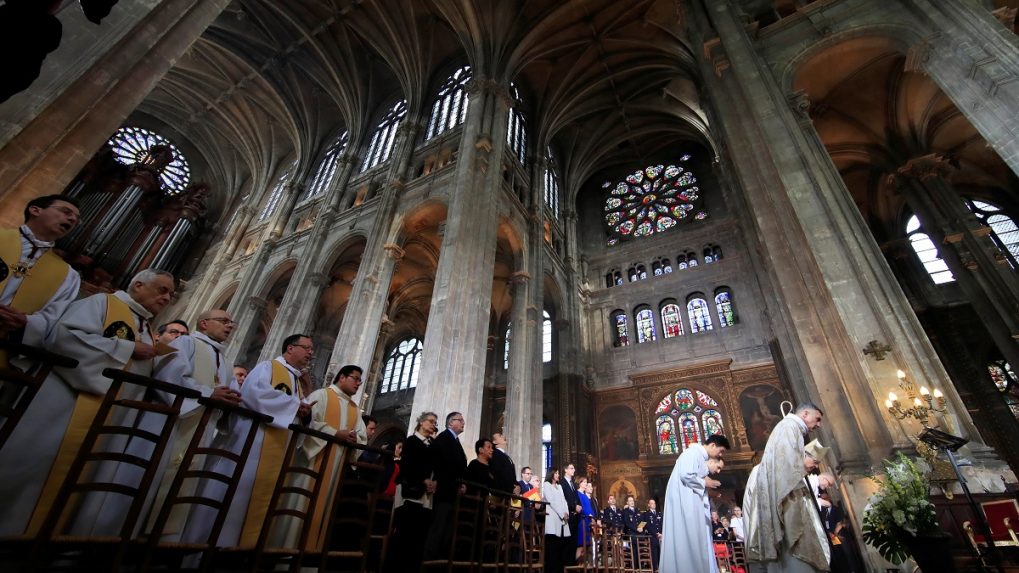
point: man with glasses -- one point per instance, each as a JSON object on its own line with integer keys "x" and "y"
{"x": 36, "y": 285}
{"x": 274, "y": 388}
{"x": 525, "y": 479}
{"x": 171, "y": 330}
{"x": 450, "y": 465}
{"x": 198, "y": 363}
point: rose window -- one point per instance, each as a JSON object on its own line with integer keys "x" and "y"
{"x": 652, "y": 200}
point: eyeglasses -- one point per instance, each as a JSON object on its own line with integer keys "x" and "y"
{"x": 175, "y": 331}
{"x": 224, "y": 321}
{"x": 355, "y": 379}
{"x": 307, "y": 347}
{"x": 456, "y": 420}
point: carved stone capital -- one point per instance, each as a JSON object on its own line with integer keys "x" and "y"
{"x": 318, "y": 279}
{"x": 799, "y": 102}
{"x": 386, "y": 326}
{"x": 928, "y": 167}
{"x": 1006, "y": 16}
{"x": 393, "y": 251}
{"x": 257, "y": 303}
{"x": 520, "y": 278}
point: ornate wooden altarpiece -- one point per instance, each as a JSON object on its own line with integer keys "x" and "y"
{"x": 629, "y": 459}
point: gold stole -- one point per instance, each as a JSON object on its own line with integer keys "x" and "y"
{"x": 270, "y": 461}
{"x": 316, "y": 538}
{"x": 85, "y": 408}
{"x": 48, "y": 273}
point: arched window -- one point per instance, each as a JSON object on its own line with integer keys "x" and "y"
{"x": 619, "y": 278}
{"x": 681, "y": 262}
{"x": 652, "y": 200}
{"x": 645, "y": 321}
{"x": 131, "y": 145}
{"x": 516, "y": 129}
{"x": 633, "y": 274}
{"x": 700, "y": 314}
{"x": 506, "y": 348}
{"x": 385, "y": 134}
{"x": 672, "y": 321}
{"x": 666, "y": 266}
{"x": 691, "y": 259}
{"x": 326, "y": 168}
{"x": 685, "y": 417}
{"x": 450, "y": 107}
{"x": 619, "y": 330}
{"x": 609, "y": 281}
{"x": 277, "y": 193}
{"x": 1003, "y": 229}
{"x": 723, "y": 304}
{"x": 402, "y": 365}
{"x": 641, "y": 272}
{"x": 546, "y": 337}
{"x": 1007, "y": 382}
{"x": 546, "y": 448}
{"x": 551, "y": 185}
{"x": 656, "y": 268}
{"x": 927, "y": 253}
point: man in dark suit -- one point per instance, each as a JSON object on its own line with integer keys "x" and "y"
{"x": 653, "y": 518}
{"x": 414, "y": 516}
{"x": 572, "y": 502}
{"x": 503, "y": 469}
{"x": 450, "y": 463}
{"x": 631, "y": 517}
{"x": 525, "y": 480}
{"x": 612, "y": 517}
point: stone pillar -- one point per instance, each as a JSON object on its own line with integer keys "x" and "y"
{"x": 246, "y": 313}
{"x": 523, "y": 396}
{"x": 50, "y": 150}
{"x": 210, "y": 277}
{"x": 974, "y": 59}
{"x": 979, "y": 267}
{"x": 453, "y": 362}
{"x": 297, "y": 308}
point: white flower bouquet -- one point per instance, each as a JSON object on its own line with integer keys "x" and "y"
{"x": 899, "y": 510}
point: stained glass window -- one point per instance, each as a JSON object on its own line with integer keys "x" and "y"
{"x": 684, "y": 399}
{"x": 645, "y": 321}
{"x": 277, "y": 193}
{"x": 619, "y": 328}
{"x": 402, "y": 366}
{"x": 672, "y": 322}
{"x": 700, "y": 314}
{"x": 723, "y": 304}
{"x": 506, "y": 348}
{"x": 450, "y": 107}
{"x": 666, "y": 436}
{"x": 712, "y": 422}
{"x": 1003, "y": 228}
{"x": 690, "y": 429}
{"x": 516, "y": 129}
{"x": 131, "y": 145}
{"x": 546, "y": 448}
{"x": 653, "y": 200}
{"x": 927, "y": 252}
{"x": 656, "y": 268}
{"x": 666, "y": 267}
{"x": 551, "y": 185}
{"x": 326, "y": 168}
{"x": 1007, "y": 382}
{"x": 641, "y": 272}
{"x": 706, "y": 400}
{"x": 385, "y": 134}
{"x": 546, "y": 337}
{"x": 665, "y": 405}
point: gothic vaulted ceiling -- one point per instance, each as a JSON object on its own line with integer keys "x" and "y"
{"x": 606, "y": 84}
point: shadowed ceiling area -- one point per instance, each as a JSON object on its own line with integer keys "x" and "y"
{"x": 873, "y": 116}
{"x": 605, "y": 84}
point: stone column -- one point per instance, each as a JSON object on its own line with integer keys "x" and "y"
{"x": 210, "y": 277}
{"x": 974, "y": 59}
{"x": 982, "y": 272}
{"x": 296, "y": 310}
{"x": 246, "y": 313}
{"x": 453, "y": 361}
{"x": 523, "y": 396}
{"x": 50, "y": 150}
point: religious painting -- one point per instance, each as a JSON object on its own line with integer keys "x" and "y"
{"x": 618, "y": 434}
{"x": 761, "y": 409}
{"x": 621, "y": 489}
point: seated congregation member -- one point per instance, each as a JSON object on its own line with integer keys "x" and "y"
{"x": 333, "y": 411}
{"x": 197, "y": 363}
{"x": 412, "y": 508}
{"x": 273, "y": 388}
{"x": 479, "y": 471}
{"x": 36, "y": 285}
{"x": 101, "y": 331}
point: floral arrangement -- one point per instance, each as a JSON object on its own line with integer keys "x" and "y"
{"x": 901, "y": 508}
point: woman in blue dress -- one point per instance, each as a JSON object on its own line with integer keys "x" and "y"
{"x": 586, "y": 516}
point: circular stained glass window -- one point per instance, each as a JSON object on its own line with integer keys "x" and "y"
{"x": 131, "y": 144}
{"x": 652, "y": 200}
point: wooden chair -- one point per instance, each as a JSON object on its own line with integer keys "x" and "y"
{"x": 18, "y": 388}
{"x": 1002, "y": 517}
{"x": 526, "y": 549}
{"x": 352, "y": 517}
{"x": 52, "y": 545}
{"x": 462, "y": 555}
{"x": 172, "y": 553}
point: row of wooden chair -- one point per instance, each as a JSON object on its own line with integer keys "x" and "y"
{"x": 348, "y": 529}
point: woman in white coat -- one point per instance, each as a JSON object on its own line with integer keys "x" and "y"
{"x": 557, "y": 528}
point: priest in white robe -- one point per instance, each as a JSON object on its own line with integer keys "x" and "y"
{"x": 686, "y": 523}
{"x": 778, "y": 507}
{"x": 274, "y": 388}
{"x": 198, "y": 362}
{"x": 102, "y": 331}
{"x": 333, "y": 411}
{"x": 36, "y": 285}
